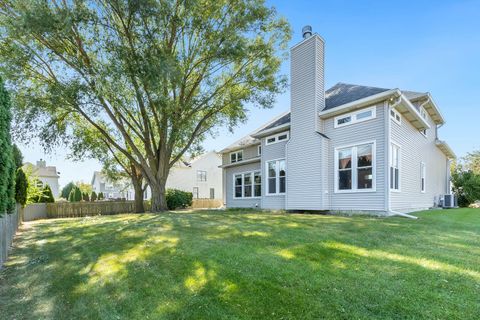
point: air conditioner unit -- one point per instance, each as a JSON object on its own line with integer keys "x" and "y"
{"x": 449, "y": 201}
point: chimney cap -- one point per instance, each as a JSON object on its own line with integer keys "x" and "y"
{"x": 306, "y": 31}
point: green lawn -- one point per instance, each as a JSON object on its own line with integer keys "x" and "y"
{"x": 212, "y": 265}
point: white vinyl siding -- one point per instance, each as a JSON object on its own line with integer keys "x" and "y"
{"x": 373, "y": 130}
{"x": 355, "y": 117}
{"x": 416, "y": 148}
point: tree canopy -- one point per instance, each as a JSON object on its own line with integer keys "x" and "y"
{"x": 150, "y": 77}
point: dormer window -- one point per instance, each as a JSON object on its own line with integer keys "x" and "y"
{"x": 236, "y": 156}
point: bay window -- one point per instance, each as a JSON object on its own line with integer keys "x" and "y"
{"x": 276, "y": 177}
{"x": 355, "y": 168}
{"x": 247, "y": 185}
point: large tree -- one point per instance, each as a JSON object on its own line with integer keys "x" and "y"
{"x": 7, "y": 162}
{"x": 159, "y": 72}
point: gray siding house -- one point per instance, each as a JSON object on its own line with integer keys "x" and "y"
{"x": 350, "y": 148}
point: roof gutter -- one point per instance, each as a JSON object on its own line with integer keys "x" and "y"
{"x": 267, "y": 132}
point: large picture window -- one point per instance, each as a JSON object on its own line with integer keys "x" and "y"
{"x": 247, "y": 185}
{"x": 394, "y": 166}
{"x": 276, "y": 177}
{"x": 355, "y": 168}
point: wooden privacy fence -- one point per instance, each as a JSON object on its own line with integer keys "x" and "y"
{"x": 206, "y": 203}
{"x": 82, "y": 209}
{"x": 8, "y": 227}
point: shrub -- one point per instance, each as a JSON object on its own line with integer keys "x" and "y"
{"x": 86, "y": 197}
{"x": 21, "y": 186}
{"x": 47, "y": 195}
{"x": 67, "y": 189}
{"x": 178, "y": 199}
{"x": 100, "y": 196}
{"x": 93, "y": 197}
{"x": 466, "y": 186}
{"x": 75, "y": 195}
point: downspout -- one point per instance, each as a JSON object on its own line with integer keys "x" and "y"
{"x": 387, "y": 166}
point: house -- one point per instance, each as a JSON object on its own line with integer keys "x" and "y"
{"x": 45, "y": 174}
{"x": 350, "y": 148}
{"x": 200, "y": 175}
{"x": 120, "y": 189}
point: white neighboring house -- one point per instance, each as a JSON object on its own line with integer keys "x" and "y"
{"x": 46, "y": 174}
{"x": 121, "y": 189}
{"x": 200, "y": 175}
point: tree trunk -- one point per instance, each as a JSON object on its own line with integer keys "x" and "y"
{"x": 139, "y": 192}
{"x": 159, "y": 202}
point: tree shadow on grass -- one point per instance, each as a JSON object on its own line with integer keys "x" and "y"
{"x": 227, "y": 266}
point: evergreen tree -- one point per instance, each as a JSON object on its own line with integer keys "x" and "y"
{"x": 100, "y": 196}
{"x": 7, "y": 165}
{"x": 71, "y": 196}
{"x": 47, "y": 196}
{"x": 67, "y": 189}
{"x": 78, "y": 194}
{"x": 93, "y": 197}
{"x": 17, "y": 156}
{"x": 86, "y": 198}
{"x": 21, "y": 186}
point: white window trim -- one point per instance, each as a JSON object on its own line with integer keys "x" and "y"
{"x": 201, "y": 171}
{"x": 399, "y": 166}
{"x": 259, "y": 150}
{"x": 236, "y": 156}
{"x": 423, "y": 170}
{"x": 353, "y": 116}
{"x": 424, "y": 115}
{"x": 355, "y": 177}
{"x": 276, "y": 138}
{"x": 277, "y": 178}
{"x": 252, "y": 173}
{"x": 397, "y": 121}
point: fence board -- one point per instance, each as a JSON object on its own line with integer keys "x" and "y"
{"x": 8, "y": 227}
{"x": 206, "y": 203}
{"x": 82, "y": 209}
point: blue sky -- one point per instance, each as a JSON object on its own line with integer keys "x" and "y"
{"x": 413, "y": 45}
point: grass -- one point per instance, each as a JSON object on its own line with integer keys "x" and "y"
{"x": 232, "y": 265}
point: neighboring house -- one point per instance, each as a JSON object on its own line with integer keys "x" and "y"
{"x": 121, "y": 189}
{"x": 200, "y": 175}
{"x": 350, "y": 148}
{"x": 45, "y": 174}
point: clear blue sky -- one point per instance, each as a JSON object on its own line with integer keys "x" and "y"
{"x": 413, "y": 45}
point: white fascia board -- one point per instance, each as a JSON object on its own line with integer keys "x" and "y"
{"x": 442, "y": 145}
{"x": 414, "y": 112}
{"x": 239, "y": 163}
{"x": 357, "y": 104}
{"x": 436, "y": 109}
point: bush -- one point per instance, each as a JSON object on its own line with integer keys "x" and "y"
{"x": 466, "y": 186}
{"x": 93, "y": 196}
{"x": 21, "y": 186}
{"x": 75, "y": 195}
{"x": 86, "y": 197}
{"x": 100, "y": 196}
{"x": 178, "y": 199}
{"x": 67, "y": 189}
{"x": 47, "y": 195}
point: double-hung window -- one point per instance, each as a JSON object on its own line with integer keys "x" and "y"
{"x": 423, "y": 176}
{"x": 276, "y": 177}
{"x": 394, "y": 166}
{"x": 247, "y": 185}
{"x": 201, "y": 175}
{"x": 355, "y": 168}
{"x": 355, "y": 117}
{"x": 236, "y": 156}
